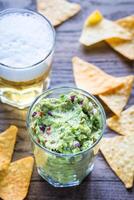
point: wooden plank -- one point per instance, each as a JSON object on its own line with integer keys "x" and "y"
{"x": 95, "y": 190}
{"x": 28, "y": 4}
{"x": 102, "y": 183}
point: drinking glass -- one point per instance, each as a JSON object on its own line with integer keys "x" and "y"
{"x": 64, "y": 170}
{"x": 25, "y": 56}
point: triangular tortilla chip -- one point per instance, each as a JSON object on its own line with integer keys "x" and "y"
{"x": 57, "y": 11}
{"x": 124, "y": 124}
{"x": 119, "y": 153}
{"x": 104, "y": 29}
{"x": 117, "y": 98}
{"x": 126, "y": 48}
{"x": 15, "y": 182}
{"x": 40, "y": 156}
{"x": 7, "y": 142}
{"x": 92, "y": 79}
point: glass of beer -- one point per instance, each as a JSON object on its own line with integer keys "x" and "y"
{"x": 27, "y": 41}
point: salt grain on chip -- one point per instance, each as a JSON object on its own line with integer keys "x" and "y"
{"x": 57, "y": 11}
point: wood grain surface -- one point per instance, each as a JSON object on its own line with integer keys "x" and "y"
{"x": 102, "y": 183}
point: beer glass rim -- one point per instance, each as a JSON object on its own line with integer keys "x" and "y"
{"x": 95, "y": 100}
{"x": 19, "y": 10}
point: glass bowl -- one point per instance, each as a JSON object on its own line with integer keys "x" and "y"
{"x": 64, "y": 170}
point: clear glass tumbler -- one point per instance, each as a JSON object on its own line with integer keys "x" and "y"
{"x": 27, "y": 45}
{"x": 64, "y": 170}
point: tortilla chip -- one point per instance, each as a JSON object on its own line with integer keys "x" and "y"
{"x": 40, "y": 156}
{"x": 119, "y": 153}
{"x": 126, "y": 48}
{"x": 103, "y": 30}
{"x": 92, "y": 79}
{"x": 15, "y": 183}
{"x": 96, "y": 148}
{"x": 7, "y": 142}
{"x": 124, "y": 124}
{"x": 57, "y": 11}
{"x": 117, "y": 98}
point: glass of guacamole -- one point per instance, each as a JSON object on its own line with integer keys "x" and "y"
{"x": 65, "y": 126}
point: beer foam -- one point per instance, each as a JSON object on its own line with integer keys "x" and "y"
{"x": 25, "y": 39}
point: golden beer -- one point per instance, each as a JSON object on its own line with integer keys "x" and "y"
{"x": 25, "y": 56}
{"x": 20, "y": 92}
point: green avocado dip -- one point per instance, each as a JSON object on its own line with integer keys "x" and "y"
{"x": 68, "y": 124}
{"x": 64, "y": 128}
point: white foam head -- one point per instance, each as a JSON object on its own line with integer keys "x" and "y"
{"x": 25, "y": 38}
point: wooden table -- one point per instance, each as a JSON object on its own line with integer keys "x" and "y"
{"x": 102, "y": 184}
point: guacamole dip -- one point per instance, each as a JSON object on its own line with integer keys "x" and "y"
{"x": 68, "y": 124}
